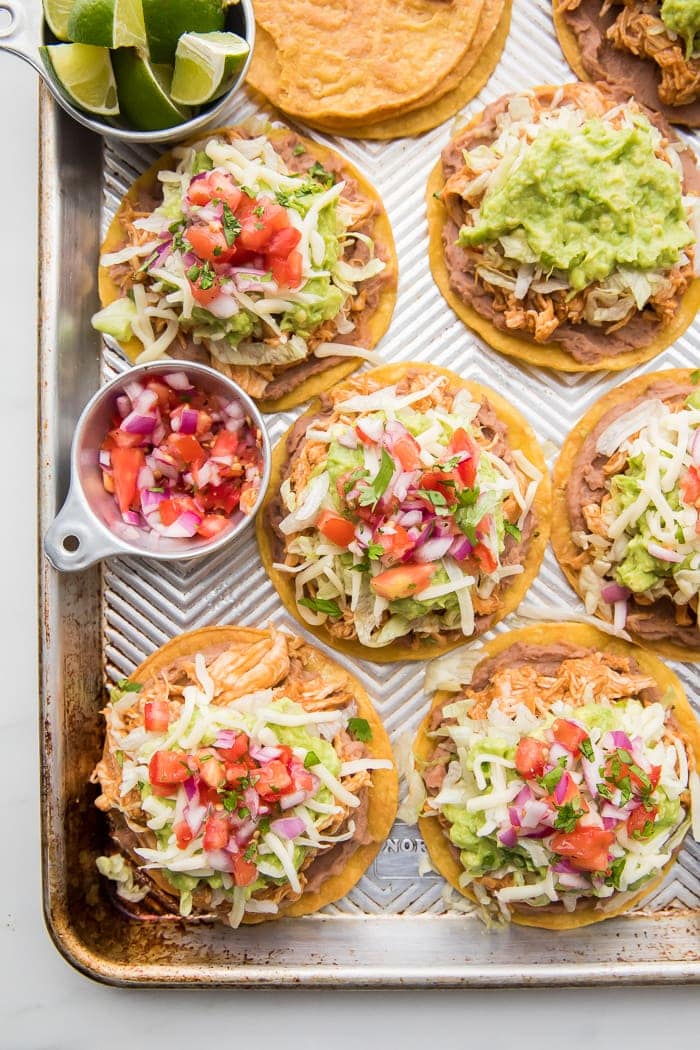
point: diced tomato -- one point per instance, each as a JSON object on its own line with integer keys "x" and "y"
{"x": 163, "y": 392}
{"x": 236, "y": 771}
{"x": 225, "y": 444}
{"x": 156, "y": 715}
{"x": 485, "y": 557}
{"x": 335, "y": 528}
{"x": 439, "y": 481}
{"x": 285, "y": 753}
{"x": 638, "y": 820}
{"x": 404, "y": 581}
{"x": 211, "y": 770}
{"x": 531, "y": 756}
{"x": 302, "y": 779}
{"x": 287, "y": 272}
{"x": 484, "y": 526}
{"x": 209, "y": 243}
{"x": 244, "y": 871}
{"x": 204, "y": 296}
{"x": 283, "y": 242}
{"x": 237, "y": 750}
{"x": 168, "y": 767}
{"x": 272, "y": 780}
{"x": 188, "y": 449}
{"x": 690, "y": 487}
{"x": 164, "y": 790}
{"x": 208, "y": 796}
{"x": 407, "y": 451}
{"x": 466, "y": 470}
{"x": 213, "y": 525}
{"x": 183, "y": 834}
{"x": 216, "y": 831}
{"x": 571, "y": 793}
{"x": 171, "y": 509}
{"x": 121, "y": 439}
{"x": 395, "y": 543}
{"x": 616, "y": 771}
{"x": 586, "y": 847}
{"x": 215, "y": 185}
{"x": 258, "y": 226}
{"x": 569, "y": 735}
{"x": 126, "y": 464}
{"x": 225, "y": 497}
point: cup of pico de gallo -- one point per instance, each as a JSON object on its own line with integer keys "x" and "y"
{"x": 170, "y": 460}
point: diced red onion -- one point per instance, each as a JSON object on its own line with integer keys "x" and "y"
{"x": 190, "y": 787}
{"x": 159, "y": 433}
{"x": 244, "y": 833}
{"x": 225, "y": 738}
{"x": 178, "y": 381}
{"x": 264, "y": 754}
{"x": 574, "y": 881}
{"x": 136, "y": 424}
{"x": 613, "y": 592}
{"x": 434, "y": 549}
{"x": 694, "y": 447}
{"x": 621, "y": 739}
{"x": 514, "y": 817}
{"x": 252, "y": 801}
{"x": 184, "y": 527}
{"x": 105, "y": 459}
{"x": 288, "y": 827}
{"x": 132, "y": 517}
{"x": 663, "y": 553}
{"x": 558, "y": 751}
{"x": 195, "y": 816}
{"x": 219, "y": 860}
{"x": 297, "y": 797}
{"x": 146, "y": 402}
{"x": 187, "y": 422}
{"x": 609, "y": 823}
{"x": 461, "y": 548}
{"x": 617, "y": 812}
{"x": 508, "y": 838}
{"x": 405, "y": 481}
{"x": 145, "y": 479}
{"x": 372, "y": 428}
{"x": 534, "y": 812}
{"x": 150, "y": 501}
{"x": 561, "y": 789}
{"x": 523, "y": 796}
{"x": 133, "y": 388}
{"x": 123, "y": 405}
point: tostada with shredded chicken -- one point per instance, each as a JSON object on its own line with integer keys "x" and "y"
{"x": 245, "y": 775}
{"x": 651, "y": 48}
{"x": 259, "y": 252}
{"x": 626, "y": 522}
{"x": 408, "y": 511}
{"x": 563, "y": 227}
{"x": 556, "y": 786}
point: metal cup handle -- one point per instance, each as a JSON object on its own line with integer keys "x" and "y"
{"x": 75, "y": 540}
{"x": 21, "y": 31}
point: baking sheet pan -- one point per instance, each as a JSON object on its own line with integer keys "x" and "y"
{"x": 398, "y": 927}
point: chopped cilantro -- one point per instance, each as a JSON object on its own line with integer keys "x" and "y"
{"x": 436, "y": 498}
{"x": 248, "y": 192}
{"x": 259, "y": 210}
{"x": 119, "y": 756}
{"x": 311, "y": 759}
{"x": 299, "y": 149}
{"x": 360, "y": 729}
{"x": 604, "y": 791}
{"x": 616, "y": 868}
{"x": 230, "y": 800}
{"x": 232, "y": 226}
{"x": 318, "y": 172}
{"x": 550, "y": 780}
{"x": 373, "y": 492}
{"x": 129, "y": 687}
{"x": 243, "y": 812}
{"x": 586, "y": 749}
{"x": 353, "y": 478}
{"x": 321, "y": 605}
{"x": 375, "y": 551}
{"x": 264, "y": 825}
{"x": 567, "y": 816}
{"x": 250, "y": 851}
{"x": 207, "y": 277}
{"x": 513, "y": 531}
{"x": 193, "y": 273}
{"x": 695, "y": 376}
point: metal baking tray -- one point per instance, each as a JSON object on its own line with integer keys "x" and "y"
{"x": 397, "y": 927}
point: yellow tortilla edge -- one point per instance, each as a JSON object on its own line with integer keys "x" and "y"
{"x": 379, "y": 321}
{"x": 434, "y": 112}
{"x": 521, "y": 436}
{"x": 562, "y": 543}
{"x": 267, "y": 71}
{"x": 568, "y": 43}
{"x": 436, "y": 840}
{"x": 383, "y": 796}
{"x": 547, "y": 355}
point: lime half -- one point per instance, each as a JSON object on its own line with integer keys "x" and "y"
{"x": 143, "y": 90}
{"x": 167, "y": 20}
{"x": 56, "y": 14}
{"x": 85, "y": 74}
{"x": 206, "y": 65}
{"x": 108, "y": 23}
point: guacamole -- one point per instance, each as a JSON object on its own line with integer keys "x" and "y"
{"x": 683, "y": 17}
{"x": 587, "y": 201}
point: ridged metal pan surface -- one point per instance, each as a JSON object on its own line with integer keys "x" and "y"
{"x": 397, "y": 927}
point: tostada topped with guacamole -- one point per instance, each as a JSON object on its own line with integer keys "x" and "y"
{"x": 563, "y": 228}
{"x": 407, "y": 511}
{"x": 264, "y": 254}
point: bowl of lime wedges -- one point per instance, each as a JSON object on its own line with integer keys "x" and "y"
{"x": 136, "y": 70}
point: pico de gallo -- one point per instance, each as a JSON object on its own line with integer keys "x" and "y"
{"x": 180, "y": 462}
{"x": 559, "y": 785}
{"x": 257, "y": 252}
{"x": 407, "y": 511}
{"x": 237, "y": 787}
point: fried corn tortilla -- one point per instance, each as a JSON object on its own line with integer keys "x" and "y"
{"x": 393, "y": 54}
{"x": 582, "y": 31}
{"x": 508, "y": 427}
{"x": 279, "y": 387}
{"x": 250, "y": 660}
{"x": 576, "y": 471}
{"x": 446, "y": 99}
{"x": 586, "y": 347}
{"x": 545, "y": 643}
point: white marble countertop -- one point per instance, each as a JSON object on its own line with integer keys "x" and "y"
{"x": 43, "y": 1002}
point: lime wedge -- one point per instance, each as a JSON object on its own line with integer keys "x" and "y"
{"x": 56, "y": 14}
{"x": 167, "y": 21}
{"x": 107, "y": 23}
{"x": 85, "y": 74}
{"x": 143, "y": 90}
{"x": 206, "y": 65}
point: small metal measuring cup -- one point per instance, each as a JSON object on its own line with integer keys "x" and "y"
{"x": 89, "y": 526}
{"x": 23, "y": 31}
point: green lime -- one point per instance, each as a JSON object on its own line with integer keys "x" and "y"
{"x": 167, "y": 20}
{"x": 144, "y": 92}
{"x": 206, "y": 65}
{"x": 56, "y": 14}
{"x": 85, "y": 74}
{"x": 108, "y": 23}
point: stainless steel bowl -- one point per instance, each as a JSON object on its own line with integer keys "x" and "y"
{"x": 23, "y": 31}
{"x": 89, "y": 526}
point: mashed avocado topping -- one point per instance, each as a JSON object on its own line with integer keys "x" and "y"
{"x": 587, "y": 201}
{"x": 683, "y": 17}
